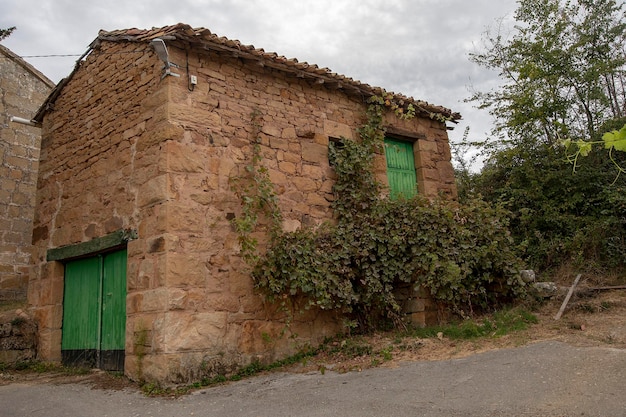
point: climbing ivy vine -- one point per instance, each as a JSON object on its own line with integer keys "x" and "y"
{"x": 463, "y": 255}
{"x": 256, "y": 193}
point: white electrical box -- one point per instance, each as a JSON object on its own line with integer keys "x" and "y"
{"x": 193, "y": 80}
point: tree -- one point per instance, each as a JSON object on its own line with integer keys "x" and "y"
{"x": 563, "y": 69}
{"x": 558, "y": 217}
{"x": 564, "y": 77}
{"x": 4, "y": 33}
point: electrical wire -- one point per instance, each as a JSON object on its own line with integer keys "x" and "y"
{"x": 76, "y": 55}
{"x": 49, "y": 56}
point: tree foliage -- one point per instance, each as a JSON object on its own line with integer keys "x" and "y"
{"x": 558, "y": 216}
{"x": 563, "y": 73}
{"x": 563, "y": 70}
{"x": 5, "y": 33}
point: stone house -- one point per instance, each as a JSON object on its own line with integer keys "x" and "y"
{"x": 137, "y": 265}
{"x": 22, "y": 90}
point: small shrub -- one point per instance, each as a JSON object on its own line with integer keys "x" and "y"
{"x": 386, "y": 353}
{"x": 18, "y": 321}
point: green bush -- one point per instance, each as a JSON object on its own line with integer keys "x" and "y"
{"x": 462, "y": 254}
{"x": 558, "y": 216}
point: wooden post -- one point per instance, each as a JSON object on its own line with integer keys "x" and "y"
{"x": 569, "y": 294}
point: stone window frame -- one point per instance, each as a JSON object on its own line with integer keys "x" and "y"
{"x": 414, "y": 138}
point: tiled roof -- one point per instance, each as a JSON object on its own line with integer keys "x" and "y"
{"x": 206, "y": 39}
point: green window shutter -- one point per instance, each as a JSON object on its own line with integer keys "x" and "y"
{"x": 400, "y": 168}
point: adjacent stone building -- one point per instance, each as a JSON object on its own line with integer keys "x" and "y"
{"x": 137, "y": 265}
{"x": 22, "y": 91}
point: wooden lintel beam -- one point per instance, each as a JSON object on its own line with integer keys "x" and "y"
{"x": 99, "y": 244}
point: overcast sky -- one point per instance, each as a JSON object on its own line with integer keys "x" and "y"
{"x": 415, "y": 47}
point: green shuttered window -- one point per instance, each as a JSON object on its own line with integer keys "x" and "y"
{"x": 400, "y": 168}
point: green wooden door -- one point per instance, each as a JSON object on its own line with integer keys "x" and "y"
{"x": 81, "y": 318}
{"x": 400, "y": 168}
{"x": 94, "y": 312}
{"x": 113, "y": 330}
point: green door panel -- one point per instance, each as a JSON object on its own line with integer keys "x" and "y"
{"x": 400, "y": 168}
{"x": 114, "y": 301}
{"x": 81, "y": 305}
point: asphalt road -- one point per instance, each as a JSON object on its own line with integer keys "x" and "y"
{"x": 542, "y": 379}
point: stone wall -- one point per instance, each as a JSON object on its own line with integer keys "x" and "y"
{"x": 100, "y": 170}
{"x": 125, "y": 149}
{"x": 22, "y": 91}
{"x": 418, "y": 307}
{"x": 18, "y": 337}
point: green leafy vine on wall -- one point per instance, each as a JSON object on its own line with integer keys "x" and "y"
{"x": 256, "y": 192}
{"x": 463, "y": 255}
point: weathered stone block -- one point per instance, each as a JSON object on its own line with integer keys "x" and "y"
{"x": 317, "y": 199}
{"x": 184, "y": 158}
{"x": 427, "y": 146}
{"x": 257, "y": 335}
{"x": 154, "y": 191}
{"x": 183, "y": 331}
{"x": 158, "y": 134}
{"x": 305, "y": 185}
{"x": 314, "y": 152}
{"x": 271, "y": 130}
{"x": 153, "y": 300}
{"x": 337, "y": 130}
{"x": 183, "y": 218}
{"x": 289, "y": 133}
{"x": 185, "y": 270}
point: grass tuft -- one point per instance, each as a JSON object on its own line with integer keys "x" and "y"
{"x": 496, "y": 325}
